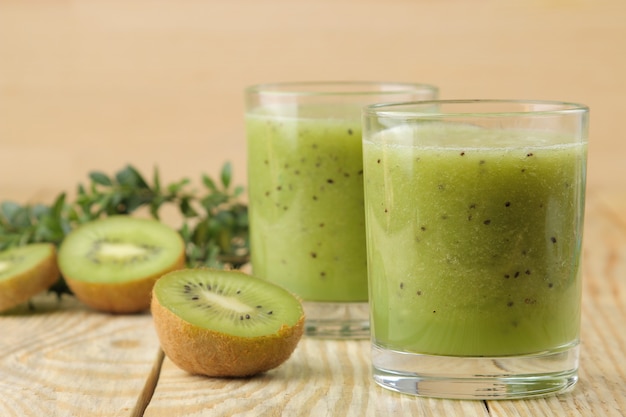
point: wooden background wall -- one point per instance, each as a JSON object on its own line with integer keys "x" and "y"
{"x": 96, "y": 84}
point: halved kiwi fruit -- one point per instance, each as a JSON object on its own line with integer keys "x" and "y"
{"x": 111, "y": 264}
{"x": 26, "y": 271}
{"x": 225, "y": 323}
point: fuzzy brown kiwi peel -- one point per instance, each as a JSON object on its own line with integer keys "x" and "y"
{"x": 225, "y": 323}
{"x": 111, "y": 264}
{"x": 26, "y": 271}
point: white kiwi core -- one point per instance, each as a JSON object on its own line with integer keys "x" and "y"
{"x": 121, "y": 250}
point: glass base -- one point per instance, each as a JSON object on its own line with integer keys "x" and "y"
{"x": 332, "y": 320}
{"x": 476, "y": 378}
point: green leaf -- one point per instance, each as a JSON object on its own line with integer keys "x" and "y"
{"x": 156, "y": 179}
{"x": 238, "y": 191}
{"x": 21, "y": 218}
{"x": 186, "y": 209}
{"x": 130, "y": 177}
{"x": 9, "y": 209}
{"x": 100, "y": 178}
{"x": 58, "y": 205}
{"x": 139, "y": 180}
{"x": 226, "y": 174}
{"x": 212, "y": 201}
{"x": 176, "y": 187}
{"x": 40, "y": 211}
{"x": 209, "y": 183}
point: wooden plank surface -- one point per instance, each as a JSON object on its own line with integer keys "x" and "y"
{"x": 322, "y": 378}
{"x": 61, "y": 359}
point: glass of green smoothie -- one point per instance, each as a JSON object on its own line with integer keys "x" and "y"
{"x": 305, "y": 189}
{"x": 474, "y": 216}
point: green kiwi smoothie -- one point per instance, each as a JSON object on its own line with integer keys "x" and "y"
{"x": 474, "y": 249}
{"x": 307, "y": 222}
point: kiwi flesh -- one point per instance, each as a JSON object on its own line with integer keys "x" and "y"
{"x": 111, "y": 264}
{"x": 26, "y": 271}
{"x": 225, "y": 323}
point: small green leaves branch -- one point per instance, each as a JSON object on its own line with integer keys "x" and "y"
{"x": 214, "y": 221}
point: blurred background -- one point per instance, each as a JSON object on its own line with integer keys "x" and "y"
{"x": 97, "y": 84}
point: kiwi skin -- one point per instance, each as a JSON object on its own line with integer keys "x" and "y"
{"x": 41, "y": 276}
{"x": 127, "y": 298}
{"x": 206, "y": 352}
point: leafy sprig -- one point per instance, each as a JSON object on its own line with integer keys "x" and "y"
{"x": 214, "y": 222}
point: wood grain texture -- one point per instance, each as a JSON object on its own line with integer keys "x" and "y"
{"x": 322, "y": 378}
{"x": 62, "y": 360}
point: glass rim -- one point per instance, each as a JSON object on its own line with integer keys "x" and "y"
{"x": 315, "y": 88}
{"x": 393, "y": 110}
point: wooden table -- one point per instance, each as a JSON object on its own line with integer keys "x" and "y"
{"x": 96, "y": 84}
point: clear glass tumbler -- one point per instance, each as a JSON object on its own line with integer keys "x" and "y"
{"x": 474, "y": 217}
{"x": 305, "y": 184}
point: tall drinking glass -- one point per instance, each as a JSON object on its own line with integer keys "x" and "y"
{"x": 474, "y": 215}
{"x": 305, "y": 183}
